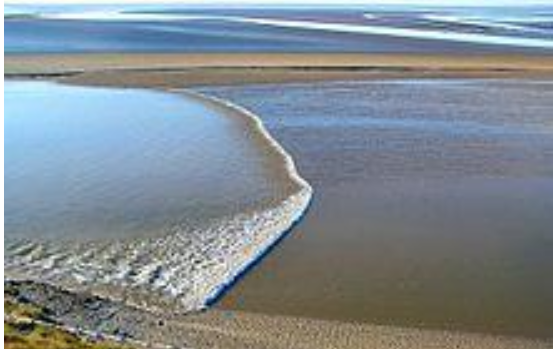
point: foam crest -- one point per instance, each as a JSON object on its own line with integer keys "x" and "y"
{"x": 187, "y": 268}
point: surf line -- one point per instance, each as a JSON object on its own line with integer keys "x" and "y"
{"x": 301, "y": 199}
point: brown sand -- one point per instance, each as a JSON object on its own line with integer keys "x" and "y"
{"x": 221, "y": 329}
{"x": 232, "y": 330}
{"x": 182, "y": 70}
{"x": 247, "y": 330}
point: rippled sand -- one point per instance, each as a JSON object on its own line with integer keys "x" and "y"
{"x": 241, "y": 330}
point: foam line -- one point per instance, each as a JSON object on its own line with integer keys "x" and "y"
{"x": 294, "y": 175}
{"x": 264, "y": 252}
{"x": 115, "y": 15}
{"x": 477, "y": 21}
{"x": 424, "y": 34}
{"x": 401, "y": 32}
{"x": 188, "y": 268}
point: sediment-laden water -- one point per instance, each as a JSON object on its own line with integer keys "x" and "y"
{"x": 434, "y": 202}
{"x": 153, "y": 197}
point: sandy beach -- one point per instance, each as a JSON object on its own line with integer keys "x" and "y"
{"x": 238, "y": 330}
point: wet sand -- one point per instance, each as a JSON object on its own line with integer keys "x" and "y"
{"x": 241, "y": 330}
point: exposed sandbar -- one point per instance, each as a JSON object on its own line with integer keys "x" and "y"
{"x": 185, "y": 70}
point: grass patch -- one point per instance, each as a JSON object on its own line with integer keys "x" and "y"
{"x": 21, "y": 331}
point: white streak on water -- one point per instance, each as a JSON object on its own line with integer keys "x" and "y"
{"x": 477, "y": 21}
{"x": 440, "y": 35}
{"x": 302, "y": 199}
{"x": 109, "y": 16}
{"x": 403, "y": 32}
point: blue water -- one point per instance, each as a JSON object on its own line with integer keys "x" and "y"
{"x": 88, "y": 163}
{"x": 362, "y": 29}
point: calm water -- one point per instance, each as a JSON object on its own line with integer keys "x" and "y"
{"x": 362, "y": 29}
{"x": 155, "y": 198}
{"x": 433, "y": 204}
{"x": 85, "y": 163}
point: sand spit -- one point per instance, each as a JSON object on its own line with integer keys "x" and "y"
{"x": 95, "y": 316}
{"x": 193, "y": 70}
{"x": 60, "y": 63}
{"x": 185, "y": 268}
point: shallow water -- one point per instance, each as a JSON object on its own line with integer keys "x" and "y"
{"x": 432, "y": 205}
{"x": 134, "y": 190}
{"x": 85, "y": 163}
{"x": 166, "y": 28}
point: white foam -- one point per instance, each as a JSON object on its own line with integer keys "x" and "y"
{"x": 115, "y": 15}
{"x": 443, "y": 35}
{"x": 402, "y": 32}
{"x": 188, "y": 266}
{"x": 482, "y": 22}
{"x": 301, "y": 199}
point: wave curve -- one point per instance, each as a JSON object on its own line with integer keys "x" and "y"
{"x": 187, "y": 269}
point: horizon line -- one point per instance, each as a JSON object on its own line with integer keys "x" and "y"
{"x": 287, "y": 3}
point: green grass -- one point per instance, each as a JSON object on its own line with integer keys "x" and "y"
{"x": 21, "y": 331}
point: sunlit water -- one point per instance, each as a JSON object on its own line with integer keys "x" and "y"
{"x": 86, "y": 163}
{"x": 156, "y": 191}
{"x": 370, "y": 28}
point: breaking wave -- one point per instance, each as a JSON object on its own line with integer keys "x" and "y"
{"x": 185, "y": 268}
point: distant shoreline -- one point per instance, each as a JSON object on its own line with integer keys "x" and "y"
{"x": 188, "y": 70}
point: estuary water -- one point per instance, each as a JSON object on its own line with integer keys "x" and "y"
{"x": 370, "y": 28}
{"x": 139, "y": 192}
{"x": 433, "y": 204}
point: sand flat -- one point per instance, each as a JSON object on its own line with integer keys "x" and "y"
{"x": 181, "y": 70}
{"x": 250, "y": 330}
